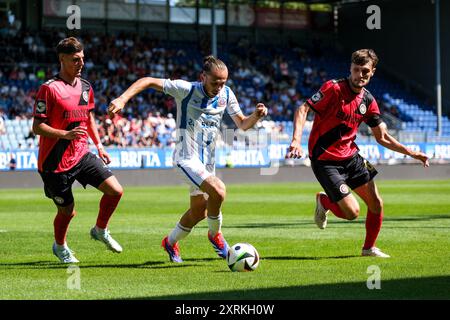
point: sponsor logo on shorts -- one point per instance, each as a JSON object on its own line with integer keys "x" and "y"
{"x": 343, "y": 189}
{"x": 58, "y": 200}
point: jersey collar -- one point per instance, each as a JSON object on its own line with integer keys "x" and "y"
{"x": 74, "y": 85}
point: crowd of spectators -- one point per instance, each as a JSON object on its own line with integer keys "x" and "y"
{"x": 113, "y": 62}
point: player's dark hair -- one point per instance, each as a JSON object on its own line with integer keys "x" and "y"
{"x": 211, "y": 62}
{"x": 69, "y": 46}
{"x": 363, "y": 56}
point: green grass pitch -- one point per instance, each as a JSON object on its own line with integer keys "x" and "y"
{"x": 298, "y": 261}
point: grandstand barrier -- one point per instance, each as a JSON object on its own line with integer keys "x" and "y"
{"x": 161, "y": 158}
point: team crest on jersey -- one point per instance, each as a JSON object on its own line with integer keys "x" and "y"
{"x": 85, "y": 96}
{"x": 41, "y": 106}
{"x": 362, "y": 108}
{"x": 222, "y": 102}
{"x": 317, "y": 97}
{"x": 343, "y": 188}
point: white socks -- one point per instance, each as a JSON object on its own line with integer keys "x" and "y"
{"x": 214, "y": 224}
{"x": 178, "y": 233}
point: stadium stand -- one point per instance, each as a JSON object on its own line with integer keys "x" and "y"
{"x": 280, "y": 77}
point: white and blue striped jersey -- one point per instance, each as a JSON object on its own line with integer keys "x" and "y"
{"x": 199, "y": 118}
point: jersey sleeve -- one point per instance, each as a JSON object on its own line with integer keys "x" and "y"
{"x": 91, "y": 104}
{"x": 178, "y": 89}
{"x": 322, "y": 98}
{"x": 232, "y": 105}
{"x": 43, "y": 103}
{"x": 373, "y": 117}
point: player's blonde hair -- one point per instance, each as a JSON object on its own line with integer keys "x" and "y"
{"x": 210, "y": 62}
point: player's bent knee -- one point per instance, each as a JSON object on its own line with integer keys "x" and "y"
{"x": 353, "y": 214}
{"x": 111, "y": 187}
{"x": 118, "y": 191}
{"x": 115, "y": 190}
{"x": 221, "y": 193}
{"x": 68, "y": 210}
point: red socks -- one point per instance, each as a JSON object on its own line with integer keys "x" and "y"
{"x": 107, "y": 206}
{"x": 373, "y": 220}
{"x": 333, "y": 206}
{"x": 61, "y": 225}
{"x": 373, "y": 226}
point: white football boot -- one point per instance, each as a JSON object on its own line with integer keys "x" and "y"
{"x": 105, "y": 237}
{"x": 64, "y": 254}
{"x": 321, "y": 214}
{"x": 374, "y": 252}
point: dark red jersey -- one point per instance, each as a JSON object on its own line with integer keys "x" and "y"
{"x": 338, "y": 113}
{"x": 65, "y": 107}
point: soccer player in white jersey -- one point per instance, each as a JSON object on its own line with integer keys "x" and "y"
{"x": 200, "y": 107}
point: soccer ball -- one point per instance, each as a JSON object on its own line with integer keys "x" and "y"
{"x": 242, "y": 257}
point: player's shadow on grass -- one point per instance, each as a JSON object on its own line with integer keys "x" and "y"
{"x": 409, "y": 288}
{"x": 201, "y": 259}
{"x": 418, "y": 218}
{"x": 309, "y": 258}
{"x": 334, "y": 220}
{"x": 362, "y": 219}
{"x": 81, "y": 265}
{"x": 270, "y": 225}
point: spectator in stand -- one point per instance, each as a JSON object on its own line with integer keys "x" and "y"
{"x": 2, "y": 122}
{"x": 12, "y": 163}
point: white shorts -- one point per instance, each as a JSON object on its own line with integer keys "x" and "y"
{"x": 194, "y": 172}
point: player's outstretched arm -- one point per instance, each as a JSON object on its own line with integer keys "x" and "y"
{"x": 295, "y": 149}
{"x": 386, "y": 140}
{"x": 245, "y": 123}
{"x": 138, "y": 86}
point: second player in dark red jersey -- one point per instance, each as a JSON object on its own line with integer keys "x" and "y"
{"x": 64, "y": 119}
{"x": 338, "y": 113}
{"x": 340, "y": 106}
{"x": 63, "y": 106}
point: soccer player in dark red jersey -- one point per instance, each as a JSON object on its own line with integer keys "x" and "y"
{"x": 64, "y": 119}
{"x": 340, "y": 106}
